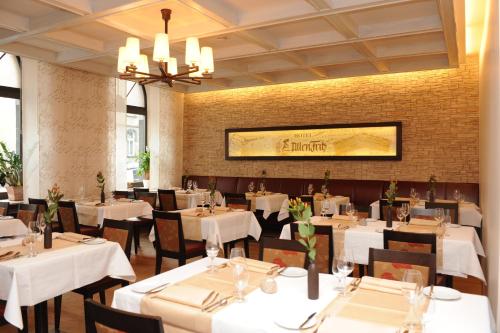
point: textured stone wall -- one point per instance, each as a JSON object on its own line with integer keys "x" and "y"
{"x": 439, "y": 110}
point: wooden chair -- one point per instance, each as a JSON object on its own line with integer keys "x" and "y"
{"x": 98, "y": 316}
{"x": 4, "y": 208}
{"x": 138, "y": 190}
{"x": 363, "y": 211}
{"x": 309, "y": 200}
{"x": 170, "y": 242}
{"x": 239, "y": 203}
{"x": 27, "y": 213}
{"x": 68, "y": 218}
{"x": 390, "y": 264}
{"x": 42, "y": 208}
{"x": 114, "y": 231}
{"x": 167, "y": 199}
{"x": 148, "y": 197}
{"x": 283, "y": 252}
{"x": 121, "y": 195}
{"x": 324, "y": 245}
{"x": 451, "y": 207}
{"x": 139, "y": 223}
{"x": 409, "y": 241}
{"x": 233, "y": 196}
{"x": 384, "y": 209}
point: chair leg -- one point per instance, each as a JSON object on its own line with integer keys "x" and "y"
{"x": 57, "y": 312}
{"x": 449, "y": 281}
{"x": 137, "y": 236}
{"x": 182, "y": 261}
{"x": 102, "y": 296}
{"x": 158, "y": 264}
{"x": 246, "y": 245}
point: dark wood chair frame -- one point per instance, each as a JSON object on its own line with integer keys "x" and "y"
{"x": 229, "y": 195}
{"x": 409, "y": 237}
{"x": 141, "y": 195}
{"x": 118, "y": 319}
{"x": 181, "y": 256}
{"x": 397, "y": 203}
{"x": 309, "y": 199}
{"x": 139, "y": 189}
{"x": 319, "y": 230}
{"x": 451, "y": 206}
{"x": 72, "y": 205}
{"x": 4, "y": 204}
{"x": 412, "y": 258}
{"x": 172, "y": 192}
{"x": 282, "y": 244}
{"x": 246, "y": 241}
{"x": 123, "y": 194}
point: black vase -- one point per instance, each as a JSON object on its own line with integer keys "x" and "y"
{"x": 388, "y": 218}
{"x": 103, "y": 197}
{"x": 312, "y": 281}
{"x": 432, "y": 197}
{"x": 47, "y": 236}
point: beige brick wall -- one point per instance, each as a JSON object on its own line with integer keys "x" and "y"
{"x": 439, "y": 110}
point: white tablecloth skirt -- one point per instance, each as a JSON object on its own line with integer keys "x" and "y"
{"x": 192, "y": 200}
{"x": 12, "y": 227}
{"x": 90, "y": 214}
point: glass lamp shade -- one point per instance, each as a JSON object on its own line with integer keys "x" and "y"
{"x": 133, "y": 49}
{"x": 122, "y": 64}
{"x": 161, "y": 50}
{"x": 172, "y": 66}
{"x": 207, "y": 60}
{"x": 192, "y": 51}
{"x": 143, "y": 65}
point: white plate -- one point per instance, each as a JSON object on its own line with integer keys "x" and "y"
{"x": 294, "y": 272}
{"x": 443, "y": 293}
{"x": 144, "y": 288}
{"x": 291, "y": 320}
{"x": 6, "y": 217}
{"x": 94, "y": 241}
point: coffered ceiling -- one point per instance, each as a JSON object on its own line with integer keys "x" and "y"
{"x": 255, "y": 42}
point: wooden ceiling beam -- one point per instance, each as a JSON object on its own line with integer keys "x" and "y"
{"x": 446, "y": 11}
{"x": 79, "y": 7}
{"x": 14, "y": 22}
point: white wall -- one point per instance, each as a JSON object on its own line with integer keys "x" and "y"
{"x": 489, "y": 154}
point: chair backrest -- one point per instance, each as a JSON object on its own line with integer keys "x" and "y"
{"x": 409, "y": 241}
{"x": 238, "y": 203}
{"x": 283, "y": 252}
{"x": 324, "y": 245}
{"x": 139, "y": 189}
{"x": 121, "y": 194}
{"x": 119, "y": 232}
{"x": 100, "y": 318}
{"x": 451, "y": 207}
{"x": 41, "y": 204}
{"x": 310, "y": 201}
{"x": 67, "y": 216}
{"x": 148, "y": 197}
{"x": 27, "y": 213}
{"x": 384, "y": 208}
{"x": 168, "y": 201}
{"x": 231, "y": 196}
{"x": 391, "y": 265}
{"x": 4, "y": 207}
{"x": 363, "y": 211}
{"x": 169, "y": 234}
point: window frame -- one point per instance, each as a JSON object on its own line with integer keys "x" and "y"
{"x": 15, "y": 93}
{"x": 142, "y": 111}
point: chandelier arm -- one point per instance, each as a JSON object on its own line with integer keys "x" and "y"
{"x": 189, "y": 80}
{"x": 147, "y": 75}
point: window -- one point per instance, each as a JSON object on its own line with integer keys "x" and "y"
{"x": 136, "y": 128}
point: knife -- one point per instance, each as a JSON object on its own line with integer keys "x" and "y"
{"x": 307, "y": 320}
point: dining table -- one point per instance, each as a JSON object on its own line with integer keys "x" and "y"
{"x": 468, "y": 212}
{"x": 68, "y": 265}
{"x": 225, "y": 224}
{"x": 264, "y": 312}
{"x": 10, "y": 227}
{"x": 92, "y": 213}
{"x": 459, "y": 251}
{"x": 268, "y": 203}
{"x": 194, "y": 198}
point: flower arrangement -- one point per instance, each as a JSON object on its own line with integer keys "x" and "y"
{"x": 144, "y": 159}
{"x": 392, "y": 192}
{"x": 11, "y": 167}
{"x": 101, "y": 181}
{"x": 54, "y": 195}
{"x": 301, "y": 211}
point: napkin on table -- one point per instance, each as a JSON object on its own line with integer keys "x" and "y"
{"x": 188, "y": 295}
{"x": 386, "y": 286}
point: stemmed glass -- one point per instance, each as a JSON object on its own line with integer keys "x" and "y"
{"x": 212, "y": 251}
{"x": 310, "y": 189}
{"x": 240, "y": 276}
{"x": 413, "y": 296}
{"x": 457, "y": 196}
{"x": 41, "y": 224}
{"x": 349, "y": 208}
{"x": 401, "y": 214}
{"x": 439, "y": 215}
{"x": 262, "y": 188}
{"x": 345, "y": 265}
{"x": 337, "y": 275}
{"x": 325, "y": 207}
{"x": 354, "y": 215}
{"x": 195, "y": 185}
{"x": 30, "y": 239}
{"x": 413, "y": 193}
{"x": 406, "y": 211}
{"x": 324, "y": 190}
{"x": 251, "y": 187}
{"x": 189, "y": 184}
{"x": 237, "y": 252}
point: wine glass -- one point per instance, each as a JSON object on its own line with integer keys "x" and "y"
{"x": 412, "y": 276}
{"x": 310, "y": 189}
{"x": 41, "y": 224}
{"x": 413, "y": 193}
{"x": 401, "y": 214}
{"x": 337, "y": 275}
{"x": 345, "y": 265}
{"x": 262, "y": 188}
{"x": 251, "y": 187}
{"x": 324, "y": 190}
{"x": 439, "y": 215}
{"x": 349, "y": 208}
{"x": 325, "y": 207}
{"x": 237, "y": 256}
{"x": 456, "y": 195}
{"x": 30, "y": 239}
{"x": 212, "y": 251}
{"x": 189, "y": 184}
{"x": 240, "y": 276}
{"x": 195, "y": 185}
{"x": 406, "y": 211}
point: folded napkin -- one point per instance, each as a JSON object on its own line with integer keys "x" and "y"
{"x": 73, "y": 237}
{"x": 222, "y": 209}
{"x": 7, "y": 255}
{"x": 188, "y": 295}
{"x": 419, "y": 221}
{"x": 341, "y": 217}
{"x": 255, "y": 265}
{"x": 385, "y": 286}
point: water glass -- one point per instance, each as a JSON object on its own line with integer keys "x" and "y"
{"x": 337, "y": 275}
{"x": 195, "y": 185}
{"x": 237, "y": 256}
{"x": 325, "y": 207}
{"x": 310, "y": 189}
{"x": 240, "y": 276}
{"x": 212, "y": 252}
{"x": 413, "y": 193}
{"x": 349, "y": 208}
{"x": 345, "y": 265}
{"x": 189, "y": 184}
{"x": 324, "y": 190}
{"x": 413, "y": 295}
{"x": 30, "y": 239}
{"x": 456, "y": 195}
{"x": 406, "y": 210}
{"x": 401, "y": 214}
{"x": 439, "y": 215}
{"x": 262, "y": 188}
{"x": 251, "y": 187}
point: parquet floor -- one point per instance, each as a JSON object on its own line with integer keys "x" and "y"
{"x": 72, "y": 317}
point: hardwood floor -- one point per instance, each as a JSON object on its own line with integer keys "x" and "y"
{"x": 72, "y": 317}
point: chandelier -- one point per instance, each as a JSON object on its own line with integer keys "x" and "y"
{"x": 132, "y": 65}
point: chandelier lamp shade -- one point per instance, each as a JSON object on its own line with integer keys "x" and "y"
{"x": 132, "y": 65}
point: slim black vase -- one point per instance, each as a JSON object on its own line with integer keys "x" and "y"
{"x": 47, "y": 236}
{"x": 389, "y": 217}
{"x": 312, "y": 281}
{"x": 103, "y": 197}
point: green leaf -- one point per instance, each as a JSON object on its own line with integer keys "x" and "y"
{"x": 312, "y": 254}
{"x": 303, "y": 242}
{"x": 303, "y": 230}
{"x": 312, "y": 242}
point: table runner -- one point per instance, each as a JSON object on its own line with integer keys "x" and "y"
{"x": 191, "y": 221}
{"x": 57, "y": 244}
{"x": 178, "y": 317}
{"x": 92, "y": 215}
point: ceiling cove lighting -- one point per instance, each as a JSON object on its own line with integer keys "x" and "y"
{"x": 132, "y": 65}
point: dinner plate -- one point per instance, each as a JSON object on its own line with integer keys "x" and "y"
{"x": 443, "y": 293}
{"x": 292, "y": 320}
{"x": 94, "y": 241}
{"x": 6, "y": 217}
{"x": 294, "y": 272}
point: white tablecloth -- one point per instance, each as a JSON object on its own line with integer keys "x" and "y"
{"x": 461, "y": 247}
{"x": 192, "y": 200}
{"x": 225, "y": 227}
{"x": 270, "y": 203}
{"x": 28, "y": 281}
{"x": 90, "y": 214}
{"x": 12, "y": 227}
{"x": 470, "y": 314}
{"x": 469, "y": 213}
